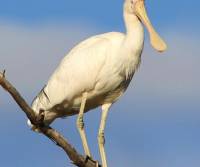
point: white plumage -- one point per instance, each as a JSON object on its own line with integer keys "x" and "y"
{"x": 98, "y": 66}
{"x": 101, "y": 66}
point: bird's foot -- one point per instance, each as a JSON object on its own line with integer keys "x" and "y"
{"x": 87, "y": 157}
{"x": 40, "y": 122}
{"x": 36, "y": 129}
{"x": 40, "y": 118}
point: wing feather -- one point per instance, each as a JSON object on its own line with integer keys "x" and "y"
{"x": 78, "y": 71}
{"x": 81, "y": 70}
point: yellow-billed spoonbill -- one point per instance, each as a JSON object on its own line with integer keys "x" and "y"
{"x": 96, "y": 73}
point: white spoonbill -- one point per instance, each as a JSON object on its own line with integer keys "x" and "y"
{"x": 96, "y": 73}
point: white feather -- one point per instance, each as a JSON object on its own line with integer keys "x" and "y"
{"x": 102, "y": 65}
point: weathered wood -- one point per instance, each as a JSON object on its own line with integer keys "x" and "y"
{"x": 76, "y": 158}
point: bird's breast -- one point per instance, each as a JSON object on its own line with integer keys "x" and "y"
{"x": 129, "y": 62}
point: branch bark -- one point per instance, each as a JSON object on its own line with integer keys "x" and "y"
{"x": 76, "y": 158}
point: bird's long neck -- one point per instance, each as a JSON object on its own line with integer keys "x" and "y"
{"x": 132, "y": 45}
{"x": 134, "y": 32}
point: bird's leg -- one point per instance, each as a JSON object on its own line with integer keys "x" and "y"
{"x": 101, "y": 137}
{"x": 80, "y": 125}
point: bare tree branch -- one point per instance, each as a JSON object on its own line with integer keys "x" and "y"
{"x": 49, "y": 132}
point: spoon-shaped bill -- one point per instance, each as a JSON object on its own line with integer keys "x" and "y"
{"x": 156, "y": 40}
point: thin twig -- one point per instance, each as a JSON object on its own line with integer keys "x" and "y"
{"x": 49, "y": 132}
{"x": 4, "y": 73}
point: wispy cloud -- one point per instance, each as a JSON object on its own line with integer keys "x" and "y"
{"x": 30, "y": 55}
{"x": 175, "y": 72}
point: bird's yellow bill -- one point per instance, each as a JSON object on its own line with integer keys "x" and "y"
{"x": 156, "y": 40}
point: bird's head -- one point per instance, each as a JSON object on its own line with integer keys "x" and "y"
{"x": 137, "y": 8}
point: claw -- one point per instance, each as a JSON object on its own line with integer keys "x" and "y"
{"x": 87, "y": 157}
{"x": 40, "y": 118}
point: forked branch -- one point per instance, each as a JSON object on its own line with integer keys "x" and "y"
{"x": 49, "y": 132}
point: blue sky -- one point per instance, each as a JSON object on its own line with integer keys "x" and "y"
{"x": 103, "y": 13}
{"x": 155, "y": 124}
